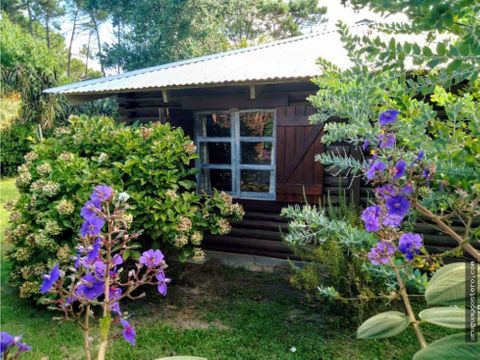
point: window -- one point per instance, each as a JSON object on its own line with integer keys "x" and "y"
{"x": 237, "y": 152}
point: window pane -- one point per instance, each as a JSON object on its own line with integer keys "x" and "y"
{"x": 255, "y": 181}
{"x": 219, "y": 179}
{"x": 215, "y": 124}
{"x": 256, "y": 152}
{"x": 257, "y": 123}
{"x": 215, "y": 153}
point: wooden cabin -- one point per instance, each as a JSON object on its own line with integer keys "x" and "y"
{"x": 248, "y": 112}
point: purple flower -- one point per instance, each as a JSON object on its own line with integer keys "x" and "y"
{"x": 101, "y": 193}
{"x": 99, "y": 268}
{"x": 406, "y": 190}
{"x": 426, "y": 173}
{"x": 380, "y": 253}
{"x": 392, "y": 220}
{"x": 397, "y": 205}
{"x": 128, "y": 332}
{"x": 385, "y": 191}
{"x": 6, "y": 341}
{"x": 89, "y": 210}
{"x": 89, "y": 287}
{"x": 92, "y": 227}
{"x": 117, "y": 260}
{"x": 388, "y": 117}
{"x": 151, "y": 258}
{"x": 115, "y": 294}
{"x": 386, "y": 140}
{"x": 371, "y": 218}
{"x": 375, "y": 167}
{"x": 50, "y": 279}
{"x": 162, "y": 283}
{"x": 22, "y": 347}
{"x": 410, "y": 245}
{"x": 420, "y": 155}
{"x": 95, "y": 252}
{"x": 365, "y": 144}
{"x": 399, "y": 168}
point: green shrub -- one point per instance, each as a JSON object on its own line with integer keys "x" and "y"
{"x": 329, "y": 243}
{"x": 152, "y": 164}
{"x": 16, "y": 140}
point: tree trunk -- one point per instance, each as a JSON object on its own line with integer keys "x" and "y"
{"x": 99, "y": 43}
{"x": 30, "y": 18}
{"x": 69, "y": 61}
{"x": 88, "y": 54}
{"x": 47, "y": 28}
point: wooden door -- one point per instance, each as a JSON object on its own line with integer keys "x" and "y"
{"x": 297, "y": 144}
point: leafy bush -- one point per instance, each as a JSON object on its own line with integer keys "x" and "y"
{"x": 28, "y": 67}
{"x": 16, "y": 140}
{"x": 152, "y": 164}
{"x": 330, "y": 242}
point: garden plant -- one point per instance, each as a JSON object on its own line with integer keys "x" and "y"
{"x": 99, "y": 274}
{"x": 151, "y": 163}
{"x": 418, "y": 132}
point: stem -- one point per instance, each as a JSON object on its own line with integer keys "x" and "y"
{"x": 448, "y": 230}
{"x": 408, "y": 306}
{"x": 106, "y": 302}
{"x": 86, "y": 344}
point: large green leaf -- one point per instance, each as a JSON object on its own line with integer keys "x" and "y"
{"x": 447, "y": 286}
{"x": 450, "y": 348}
{"x": 383, "y": 325}
{"x": 445, "y": 316}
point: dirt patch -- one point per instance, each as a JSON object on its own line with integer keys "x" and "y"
{"x": 196, "y": 288}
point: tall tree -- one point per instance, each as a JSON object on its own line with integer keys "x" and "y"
{"x": 50, "y": 11}
{"x": 159, "y": 31}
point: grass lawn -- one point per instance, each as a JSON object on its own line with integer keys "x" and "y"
{"x": 210, "y": 311}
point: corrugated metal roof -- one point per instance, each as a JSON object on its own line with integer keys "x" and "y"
{"x": 293, "y": 58}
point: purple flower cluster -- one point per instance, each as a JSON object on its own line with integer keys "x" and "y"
{"x": 386, "y": 140}
{"x": 92, "y": 211}
{"x": 375, "y": 167}
{"x": 388, "y": 117}
{"x": 371, "y": 218}
{"x": 381, "y": 252}
{"x": 50, "y": 279}
{"x": 393, "y": 198}
{"x": 410, "y": 245}
{"x": 92, "y": 270}
{"x": 7, "y": 342}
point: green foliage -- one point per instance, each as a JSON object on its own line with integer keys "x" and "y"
{"x": 447, "y": 286}
{"x": 330, "y": 243}
{"x": 152, "y": 164}
{"x": 28, "y": 67}
{"x": 450, "y": 317}
{"x": 450, "y": 347}
{"x": 383, "y": 325}
{"x": 161, "y": 31}
{"x": 16, "y": 141}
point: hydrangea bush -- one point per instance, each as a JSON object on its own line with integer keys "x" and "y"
{"x": 99, "y": 276}
{"x": 153, "y": 164}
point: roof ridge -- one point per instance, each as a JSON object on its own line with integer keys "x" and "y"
{"x": 193, "y": 60}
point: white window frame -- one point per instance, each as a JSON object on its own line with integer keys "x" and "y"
{"x": 235, "y": 165}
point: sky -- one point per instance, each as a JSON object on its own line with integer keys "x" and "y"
{"x": 335, "y": 11}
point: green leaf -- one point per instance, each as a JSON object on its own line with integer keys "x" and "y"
{"x": 449, "y": 348}
{"x": 454, "y": 65}
{"x": 105, "y": 326}
{"x": 383, "y": 325}
{"x": 445, "y": 316}
{"x": 447, "y": 285}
